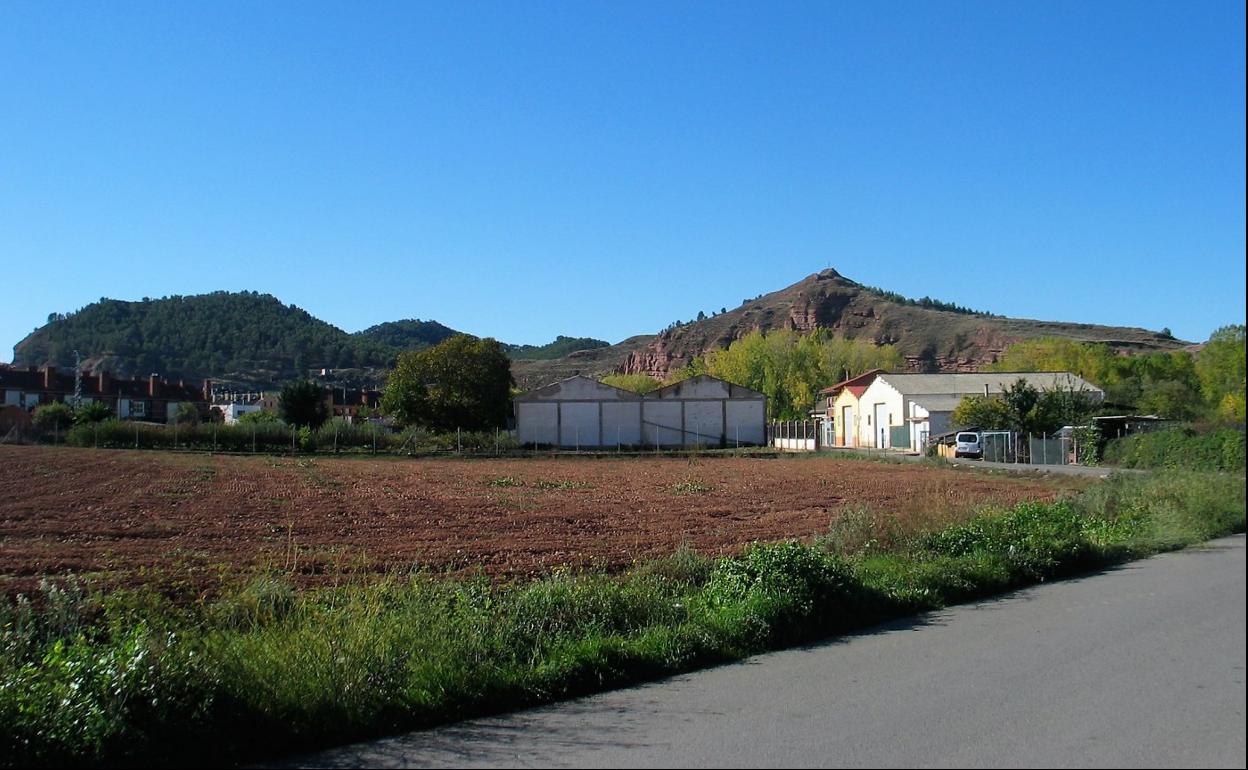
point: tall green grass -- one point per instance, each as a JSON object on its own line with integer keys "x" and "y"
{"x": 132, "y": 678}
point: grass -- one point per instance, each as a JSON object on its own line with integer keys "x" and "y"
{"x": 134, "y": 678}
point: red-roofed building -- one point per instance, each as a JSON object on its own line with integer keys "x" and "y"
{"x": 153, "y": 399}
{"x": 840, "y": 407}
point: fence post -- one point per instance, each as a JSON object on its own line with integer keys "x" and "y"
{"x": 175, "y": 434}
{"x": 136, "y": 434}
{"x": 253, "y": 438}
{"x": 496, "y": 439}
{"x": 459, "y": 442}
{"x": 374, "y": 426}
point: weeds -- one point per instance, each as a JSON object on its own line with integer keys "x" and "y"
{"x": 129, "y": 678}
{"x": 691, "y": 488}
{"x": 562, "y": 485}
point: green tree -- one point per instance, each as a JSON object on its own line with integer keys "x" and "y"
{"x": 55, "y": 416}
{"x": 791, "y": 368}
{"x": 187, "y": 414}
{"x": 302, "y": 403}
{"x": 1220, "y": 367}
{"x": 982, "y": 412}
{"x": 1023, "y": 408}
{"x": 463, "y": 382}
{"x": 92, "y": 411}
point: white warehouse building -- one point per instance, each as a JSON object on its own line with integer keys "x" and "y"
{"x": 583, "y": 413}
{"x": 901, "y": 411}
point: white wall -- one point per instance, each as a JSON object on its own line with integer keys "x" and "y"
{"x": 621, "y": 423}
{"x": 893, "y": 411}
{"x": 583, "y": 412}
{"x": 536, "y": 422}
{"x": 578, "y": 423}
{"x": 747, "y": 422}
{"x": 661, "y": 423}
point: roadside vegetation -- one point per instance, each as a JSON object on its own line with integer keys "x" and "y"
{"x": 136, "y": 677}
{"x": 1220, "y": 449}
{"x": 272, "y": 436}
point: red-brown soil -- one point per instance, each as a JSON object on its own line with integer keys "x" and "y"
{"x": 197, "y": 519}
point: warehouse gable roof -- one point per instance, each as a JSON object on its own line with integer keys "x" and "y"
{"x": 578, "y": 388}
{"x": 695, "y": 387}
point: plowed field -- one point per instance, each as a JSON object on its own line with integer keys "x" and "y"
{"x": 196, "y": 519}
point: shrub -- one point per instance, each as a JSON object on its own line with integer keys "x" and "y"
{"x": 54, "y": 416}
{"x": 1186, "y": 447}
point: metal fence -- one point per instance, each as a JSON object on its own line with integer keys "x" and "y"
{"x": 794, "y": 435}
{"x": 1033, "y": 449}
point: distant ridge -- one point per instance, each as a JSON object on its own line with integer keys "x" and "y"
{"x": 933, "y": 336}
{"x": 256, "y": 340}
{"x": 244, "y": 338}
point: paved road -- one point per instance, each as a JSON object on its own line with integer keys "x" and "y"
{"x": 1139, "y": 666}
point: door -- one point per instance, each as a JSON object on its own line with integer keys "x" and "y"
{"x": 847, "y": 420}
{"x": 881, "y": 426}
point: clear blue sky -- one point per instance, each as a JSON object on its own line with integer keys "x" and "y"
{"x": 527, "y": 169}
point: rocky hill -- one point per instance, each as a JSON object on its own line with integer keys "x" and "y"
{"x": 931, "y": 339}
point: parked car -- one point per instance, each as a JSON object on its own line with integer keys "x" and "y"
{"x": 968, "y": 444}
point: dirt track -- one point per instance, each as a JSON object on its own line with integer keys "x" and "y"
{"x": 196, "y": 518}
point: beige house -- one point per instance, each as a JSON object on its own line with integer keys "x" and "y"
{"x": 841, "y": 410}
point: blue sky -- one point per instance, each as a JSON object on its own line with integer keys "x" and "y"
{"x": 523, "y": 170}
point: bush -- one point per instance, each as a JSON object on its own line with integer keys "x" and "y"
{"x": 1186, "y": 447}
{"x": 53, "y": 417}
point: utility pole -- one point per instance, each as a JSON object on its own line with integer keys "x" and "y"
{"x": 77, "y": 380}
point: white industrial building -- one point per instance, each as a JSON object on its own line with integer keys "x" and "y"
{"x": 900, "y": 411}
{"x": 580, "y": 412}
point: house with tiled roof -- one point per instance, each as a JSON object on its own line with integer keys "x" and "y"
{"x": 153, "y": 399}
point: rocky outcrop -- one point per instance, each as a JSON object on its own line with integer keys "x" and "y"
{"x": 930, "y": 340}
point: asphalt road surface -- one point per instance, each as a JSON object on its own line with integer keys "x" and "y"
{"x": 1139, "y": 666}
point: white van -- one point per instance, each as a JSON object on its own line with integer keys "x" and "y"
{"x": 967, "y": 444}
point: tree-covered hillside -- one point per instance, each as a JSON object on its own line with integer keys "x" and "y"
{"x": 561, "y": 347}
{"x": 409, "y": 334}
{"x": 242, "y": 337}
{"x": 198, "y": 336}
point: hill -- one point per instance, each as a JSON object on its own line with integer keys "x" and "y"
{"x": 244, "y": 336}
{"x": 932, "y": 335}
{"x": 256, "y": 340}
{"x": 245, "y": 339}
{"x": 561, "y": 347}
{"x": 409, "y": 334}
